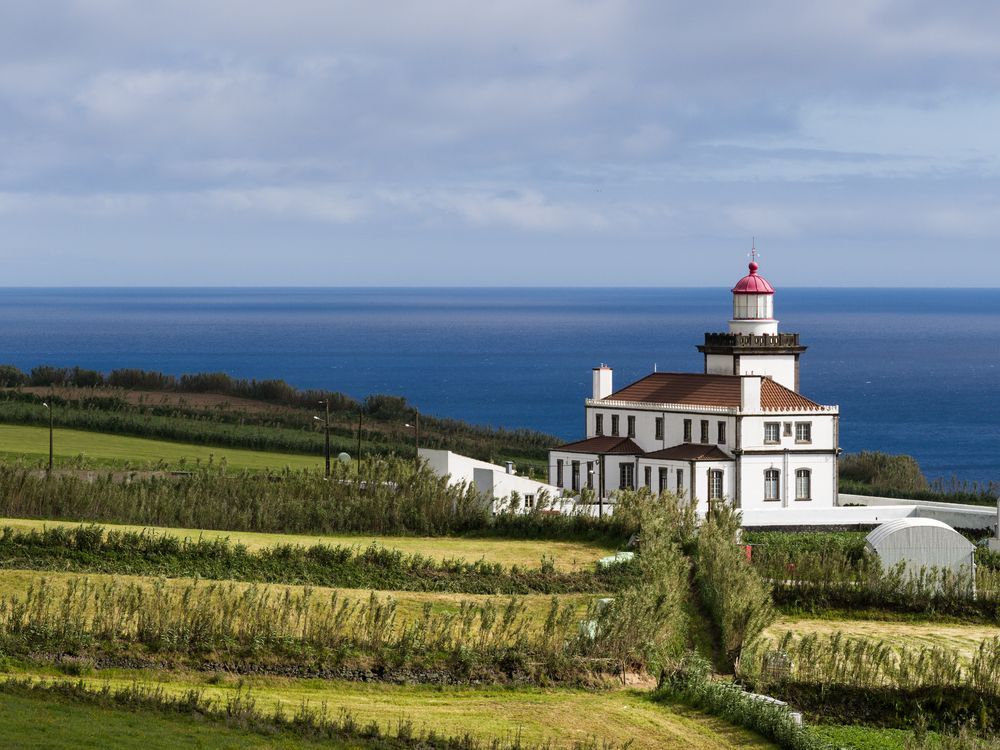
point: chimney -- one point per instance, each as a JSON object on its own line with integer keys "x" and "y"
{"x": 750, "y": 393}
{"x": 510, "y": 467}
{"x": 602, "y": 382}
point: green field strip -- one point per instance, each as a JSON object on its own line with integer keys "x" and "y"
{"x": 563, "y": 716}
{"x": 524, "y": 552}
{"x": 20, "y": 442}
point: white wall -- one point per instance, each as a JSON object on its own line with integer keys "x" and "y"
{"x": 491, "y": 480}
{"x": 752, "y": 431}
{"x": 956, "y": 515}
{"x": 781, "y": 367}
{"x": 823, "y": 489}
{"x": 719, "y": 364}
{"x": 870, "y": 516}
{"x": 755, "y": 327}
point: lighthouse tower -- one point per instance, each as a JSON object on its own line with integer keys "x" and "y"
{"x": 753, "y": 345}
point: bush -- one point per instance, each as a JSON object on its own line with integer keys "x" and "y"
{"x": 689, "y": 682}
{"x": 737, "y": 598}
{"x": 883, "y": 471}
{"x": 645, "y": 625}
{"x": 11, "y": 377}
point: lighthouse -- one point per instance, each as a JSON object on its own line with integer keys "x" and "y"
{"x": 753, "y": 345}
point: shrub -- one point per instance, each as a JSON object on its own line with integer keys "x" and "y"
{"x": 689, "y": 682}
{"x": 882, "y": 470}
{"x": 737, "y": 598}
{"x": 645, "y": 624}
{"x": 11, "y": 377}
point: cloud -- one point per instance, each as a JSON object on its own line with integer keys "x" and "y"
{"x": 636, "y": 124}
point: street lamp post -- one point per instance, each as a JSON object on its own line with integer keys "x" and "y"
{"x": 326, "y": 432}
{"x": 46, "y": 405}
{"x": 416, "y": 427}
{"x": 360, "y": 416}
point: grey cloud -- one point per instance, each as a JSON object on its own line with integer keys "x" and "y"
{"x": 573, "y": 123}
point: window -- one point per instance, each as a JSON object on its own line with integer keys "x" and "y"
{"x": 627, "y": 476}
{"x": 714, "y": 484}
{"x": 575, "y": 474}
{"x": 704, "y": 430}
{"x": 599, "y": 426}
{"x": 559, "y": 468}
{"x": 803, "y": 432}
{"x": 659, "y": 428}
{"x": 680, "y": 482}
{"x": 722, "y": 433}
{"x": 664, "y": 473}
{"x": 687, "y": 430}
{"x": 803, "y": 484}
{"x": 772, "y": 484}
{"x": 590, "y": 475}
{"x": 771, "y": 432}
{"x": 648, "y": 476}
{"x": 787, "y": 431}
{"x": 614, "y": 425}
{"x": 631, "y": 427}
{"x": 529, "y": 501}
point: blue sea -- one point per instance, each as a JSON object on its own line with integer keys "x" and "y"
{"x": 914, "y": 371}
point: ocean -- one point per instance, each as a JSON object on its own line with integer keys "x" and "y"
{"x": 914, "y": 371}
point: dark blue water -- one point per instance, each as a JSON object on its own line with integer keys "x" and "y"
{"x": 914, "y": 371}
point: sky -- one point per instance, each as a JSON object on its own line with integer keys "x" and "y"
{"x": 514, "y": 143}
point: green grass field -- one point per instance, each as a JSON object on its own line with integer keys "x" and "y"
{"x": 32, "y": 444}
{"x": 537, "y": 714}
{"x": 37, "y": 724}
{"x": 523, "y": 552}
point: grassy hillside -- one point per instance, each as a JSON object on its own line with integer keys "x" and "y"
{"x": 78, "y": 447}
{"x": 214, "y": 409}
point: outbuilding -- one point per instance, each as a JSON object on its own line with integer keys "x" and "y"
{"x": 922, "y": 543}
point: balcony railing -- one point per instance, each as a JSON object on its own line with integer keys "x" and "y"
{"x": 752, "y": 340}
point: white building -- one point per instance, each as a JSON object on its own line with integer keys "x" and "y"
{"x": 738, "y": 431}
{"x": 495, "y": 483}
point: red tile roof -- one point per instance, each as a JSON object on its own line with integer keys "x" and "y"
{"x": 603, "y": 444}
{"x": 775, "y": 397}
{"x": 690, "y": 452}
{"x": 696, "y": 389}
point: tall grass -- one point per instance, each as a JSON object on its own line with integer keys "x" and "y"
{"x": 840, "y": 579}
{"x": 224, "y": 621}
{"x": 391, "y": 496}
{"x": 92, "y": 549}
{"x": 736, "y": 596}
{"x": 881, "y": 681}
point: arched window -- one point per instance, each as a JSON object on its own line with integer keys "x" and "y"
{"x": 772, "y": 484}
{"x": 803, "y": 484}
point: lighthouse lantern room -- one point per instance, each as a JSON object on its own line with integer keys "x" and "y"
{"x": 753, "y": 345}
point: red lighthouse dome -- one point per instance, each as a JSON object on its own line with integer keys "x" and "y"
{"x": 752, "y": 283}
